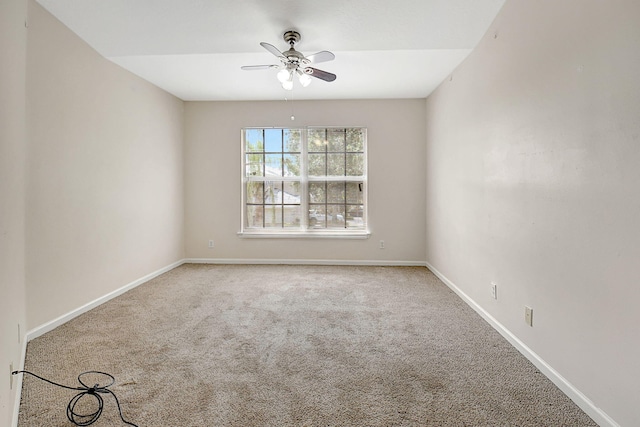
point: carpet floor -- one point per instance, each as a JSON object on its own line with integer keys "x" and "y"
{"x": 272, "y": 345}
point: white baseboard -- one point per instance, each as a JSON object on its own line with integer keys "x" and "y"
{"x": 49, "y": 326}
{"x": 18, "y": 383}
{"x": 305, "y": 262}
{"x": 567, "y": 388}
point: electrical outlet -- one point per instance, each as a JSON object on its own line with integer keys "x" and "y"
{"x": 381, "y": 244}
{"x": 210, "y": 243}
{"x": 528, "y": 315}
{"x": 494, "y": 290}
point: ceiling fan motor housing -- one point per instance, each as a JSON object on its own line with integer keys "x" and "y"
{"x": 291, "y": 37}
{"x": 294, "y": 57}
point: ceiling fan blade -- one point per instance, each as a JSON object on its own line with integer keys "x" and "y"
{"x": 271, "y": 48}
{"x": 258, "y": 67}
{"x": 322, "y": 75}
{"x": 323, "y": 56}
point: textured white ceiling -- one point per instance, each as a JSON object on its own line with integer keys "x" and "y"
{"x": 194, "y": 48}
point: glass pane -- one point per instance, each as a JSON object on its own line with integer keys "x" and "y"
{"x": 317, "y": 192}
{"x": 335, "y": 139}
{"x": 273, "y": 165}
{"x": 291, "y": 193}
{"x": 317, "y": 217}
{"x": 254, "y": 192}
{"x": 335, "y": 216}
{"x": 316, "y": 140}
{"x": 272, "y": 192}
{"x": 273, "y": 216}
{"x": 355, "y": 216}
{"x": 292, "y": 216}
{"x": 355, "y": 164}
{"x": 335, "y": 192}
{"x": 317, "y": 166}
{"x": 253, "y": 140}
{"x": 254, "y": 216}
{"x": 253, "y": 165}
{"x": 355, "y": 191}
{"x": 292, "y": 139}
{"x": 335, "y": 165}
{"x": 292, "y": 165}
{"x": 273, "y": 140}
{"x": 355, "y": 140}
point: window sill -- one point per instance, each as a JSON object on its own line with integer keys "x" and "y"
{"x": 356, "y": 234}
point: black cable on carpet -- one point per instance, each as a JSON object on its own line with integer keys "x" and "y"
{"x": 95, "y": 391}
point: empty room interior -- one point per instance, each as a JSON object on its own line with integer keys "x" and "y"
{"x": 472, "y": 231}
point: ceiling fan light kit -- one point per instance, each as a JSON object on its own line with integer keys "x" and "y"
{"x": 295, "y": 63}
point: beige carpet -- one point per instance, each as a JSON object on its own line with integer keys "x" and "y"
{"x": 228, "y": 345}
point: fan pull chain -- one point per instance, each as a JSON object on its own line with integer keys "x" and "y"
{"x": 293, "y": 117}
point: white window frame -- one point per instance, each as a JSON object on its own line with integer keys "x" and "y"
{"x": 304, "y": 231}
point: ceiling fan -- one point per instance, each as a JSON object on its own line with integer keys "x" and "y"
{"x": 295, "y": 63}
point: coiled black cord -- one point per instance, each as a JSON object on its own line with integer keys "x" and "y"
{"x": 95, "y": 391}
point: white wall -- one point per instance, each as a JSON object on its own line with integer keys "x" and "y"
{"x": 105, "y": 183}
{"x": 533, "y": 165}
{"x": 13, "y": 143}
{"x": 396, "y": 178}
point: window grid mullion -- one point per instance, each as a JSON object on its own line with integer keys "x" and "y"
{"x": 264, "y": 208}
{"x": 344, "y": 186}
{"x": 264, "y": 175}
{"x": 304, "y": 181}
{"x": 326, "y": 173}
{"x": 282, "y": 174}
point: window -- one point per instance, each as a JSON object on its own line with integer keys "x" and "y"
{"x": 309, "y": 181}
